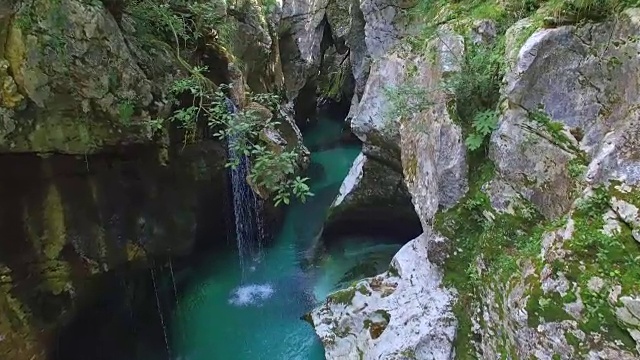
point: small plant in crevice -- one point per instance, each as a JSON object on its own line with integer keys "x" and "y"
{"x": 126, "y": 110}
{"x": 552, "y": 131}
{"x": 577, "y": 168}
{"x": 483, "y": 125}
{"x": 406, "y": 100}
{"x": 477, "y": 90}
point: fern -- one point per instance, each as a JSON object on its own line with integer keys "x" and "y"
{"x": 484, "y": 123}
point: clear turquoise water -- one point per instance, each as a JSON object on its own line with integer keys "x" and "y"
{"x": 230, "y": 314}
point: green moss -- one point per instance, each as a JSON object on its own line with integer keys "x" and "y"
{"x": 462, "y": 343}
{"x": 572, "y": 340}
{"x": 331, "y": 87}
{"x": 385, "y": 315}
{"x": 46, "y": 230}
{"x": 610, "y": 257}
{"x": 602, "y": 319}
{"x": 548, "y": 308}
{"x": 577, "y": 168}
{"x": 411, "y": 167}
{"x": 363, "y": 290}
{"x": 409, "y": 354}
{"x": 53, "y": 130}
{"x": 342, "y": 332}
{"x": 344, "y": 297}
{"x": 54, "y": 237}
{"x": 569, "y": 297}
{"x": 393, "y": 271}
{"x": 501, "y": 240}
{"x": 614, "y": 256}
{"x": 376, "y": 328}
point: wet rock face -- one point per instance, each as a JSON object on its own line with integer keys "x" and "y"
{"x": 67, "y": 219}
{"x": 301, "y": 33}
{"x": 64, "y": 93}
{"x": 570, "y": 95}
{"x": 256, "y": 44}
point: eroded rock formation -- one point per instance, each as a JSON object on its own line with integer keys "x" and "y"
{"x": 537, "y": 241}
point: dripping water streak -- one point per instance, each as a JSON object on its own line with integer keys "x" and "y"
{"x": 175, "y": 296}
{"x": 259, "y": 207}
{"x": 164, "y": 327}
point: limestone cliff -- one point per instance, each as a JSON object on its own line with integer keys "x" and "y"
{"x": 530, "y": 246}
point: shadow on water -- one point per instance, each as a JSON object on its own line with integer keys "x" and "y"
{"x": 120, "y": 322}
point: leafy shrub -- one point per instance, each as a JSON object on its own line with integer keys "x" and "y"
{"x": 272, "y": 169}
{"x": 477, "y": 86}
{"x": 406, "y": 99}
{"x": 181, "y": 22}
{"x": 483, "y": 125}
{"x": 477, "y": 91}
{"x": 578, "y": 10}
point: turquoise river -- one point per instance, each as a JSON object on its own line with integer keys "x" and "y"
{"x": 229, "y": 313}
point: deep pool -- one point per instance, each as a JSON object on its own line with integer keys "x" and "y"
{"x": 229, "y": 313}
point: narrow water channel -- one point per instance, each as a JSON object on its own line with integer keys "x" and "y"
{"x": 253, "y": 313}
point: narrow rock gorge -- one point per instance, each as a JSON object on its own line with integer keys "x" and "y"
{"x": 297, "y": 179}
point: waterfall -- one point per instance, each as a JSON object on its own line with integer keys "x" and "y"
{"x": 247, "y": 205}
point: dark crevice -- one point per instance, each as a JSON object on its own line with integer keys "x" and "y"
{"x": 394, "y": 221}
{"x": 347, "y": 87}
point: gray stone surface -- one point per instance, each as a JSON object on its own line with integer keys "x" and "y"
{"x": 579, "y": 80}
{"x": 404, "y": 313}
{"x": 433, "y": 151}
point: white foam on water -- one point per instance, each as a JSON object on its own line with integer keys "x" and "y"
{"x": 252, "y": 294}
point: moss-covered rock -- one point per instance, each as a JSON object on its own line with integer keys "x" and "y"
{"x": 73, "y": 81}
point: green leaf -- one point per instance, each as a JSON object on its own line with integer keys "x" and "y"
{"x": 485, "y": 122}
{"x": 474, "y": 141}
